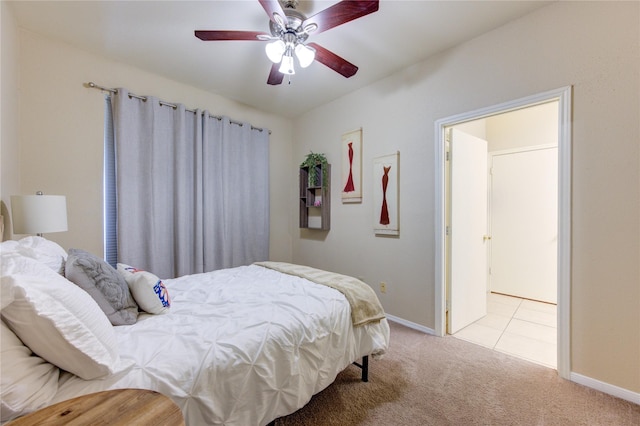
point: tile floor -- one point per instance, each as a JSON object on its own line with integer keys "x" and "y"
{"x": 519, "y": 327}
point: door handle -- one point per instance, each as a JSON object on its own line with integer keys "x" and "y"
{"x": 486, "y": 237}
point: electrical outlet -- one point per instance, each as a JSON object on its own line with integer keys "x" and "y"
{"x": 383, "y": 287}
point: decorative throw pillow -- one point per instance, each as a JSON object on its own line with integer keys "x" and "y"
{"x": 107, "y": 287}
{"x": 27, "y": 382}
{"x": 148, "y": 290}
{"x": 57, "y": 320}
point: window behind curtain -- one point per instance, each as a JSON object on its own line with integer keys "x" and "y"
{"x": 109, "y": 188}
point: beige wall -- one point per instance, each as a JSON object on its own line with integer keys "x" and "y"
{"x": 521, "y": 128}
{"x": 61, "y": 134}
{"x": 9, "y": 83}
{"x": 536, "y": 125}
{"x": 591, "y": 45}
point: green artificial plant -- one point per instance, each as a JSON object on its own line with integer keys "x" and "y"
{"x": 313, "y": 159}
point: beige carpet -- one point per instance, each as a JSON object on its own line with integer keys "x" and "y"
{"x": 426, "y": 380}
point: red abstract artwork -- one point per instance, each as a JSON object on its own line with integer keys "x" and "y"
{"x": 351, "y": 166}
{"x": 349, "y": 186}
{"x": 386, "y": 194}
{"x": 384, "y": 212}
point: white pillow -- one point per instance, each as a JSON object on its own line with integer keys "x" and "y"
{"x": 56, "y": 319}
{"x": 27, "y": 382}
{"x": 147, "y": 289}
{"x": 8, "y": 246}
{"x": 44, "y": 251}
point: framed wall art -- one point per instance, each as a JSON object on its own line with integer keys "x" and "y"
{"x": 386, "y": 174}
{"x": 352, "y": 167}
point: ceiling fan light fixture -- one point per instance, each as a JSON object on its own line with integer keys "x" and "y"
{"x": 275, "y": 50}
{"x": 305, "y": 55}
{"x": 286, "y": 66}
{"x": 289, "y": 30}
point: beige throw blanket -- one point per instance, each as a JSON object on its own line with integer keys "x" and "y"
{"x": 365, "y": 306}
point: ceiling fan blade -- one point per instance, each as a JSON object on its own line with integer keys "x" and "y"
{"x": 275, "y": 76}
{"x": 271, "y": 7}
{"x": 342, "y": 12}
{"x": 228, "y": 35}
{"x": 333, "y": 61}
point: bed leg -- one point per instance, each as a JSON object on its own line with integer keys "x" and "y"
{"x": 365, "y": 368}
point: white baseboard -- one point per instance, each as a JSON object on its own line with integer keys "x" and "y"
{"x": 607, "y": 388}
{"x": 410, "y": 324}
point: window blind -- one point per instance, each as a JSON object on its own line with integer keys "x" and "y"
{"x": 109, "y": 188}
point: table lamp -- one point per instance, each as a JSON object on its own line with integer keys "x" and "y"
{"x": 39, "y": 214}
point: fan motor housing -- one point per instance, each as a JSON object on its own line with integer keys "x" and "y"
{"x": 294, "y": 23}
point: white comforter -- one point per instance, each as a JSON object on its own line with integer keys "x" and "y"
{"x": 239, "y": 346}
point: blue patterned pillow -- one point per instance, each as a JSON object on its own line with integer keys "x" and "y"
{"x": 148, "y": 290}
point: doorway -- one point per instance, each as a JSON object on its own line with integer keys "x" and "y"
{"x": 513, "y": 269}
{"x": 563, "y": 98}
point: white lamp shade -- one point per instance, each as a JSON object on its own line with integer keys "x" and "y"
{"x": 286, "y": 67}
{"x": 38, "y": 214}
{"x": 305, "y": 55}
{"x": 275, "y": 50}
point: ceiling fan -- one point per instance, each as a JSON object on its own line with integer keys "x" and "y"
{"x": 289, "y": 32}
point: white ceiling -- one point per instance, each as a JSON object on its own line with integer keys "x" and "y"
{"x": 158, "y": 36}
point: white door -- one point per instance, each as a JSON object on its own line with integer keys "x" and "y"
{"x": 524, "y": 224}
{"x": 467, "y": 230}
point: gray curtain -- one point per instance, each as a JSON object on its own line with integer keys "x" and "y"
{"x": 192, "y": 189}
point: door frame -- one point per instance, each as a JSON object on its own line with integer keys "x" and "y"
{"x": 563, "y": 96}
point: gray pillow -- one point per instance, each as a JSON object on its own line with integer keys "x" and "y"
{"x": 107, "y": 287}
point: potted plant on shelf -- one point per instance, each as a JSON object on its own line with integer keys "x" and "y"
{"x": 311, "y": 161}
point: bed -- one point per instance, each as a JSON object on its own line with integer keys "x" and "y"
{"x": 240, "y": 346}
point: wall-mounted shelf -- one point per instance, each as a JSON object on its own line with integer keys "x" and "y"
{"x": 315, "y": 199}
